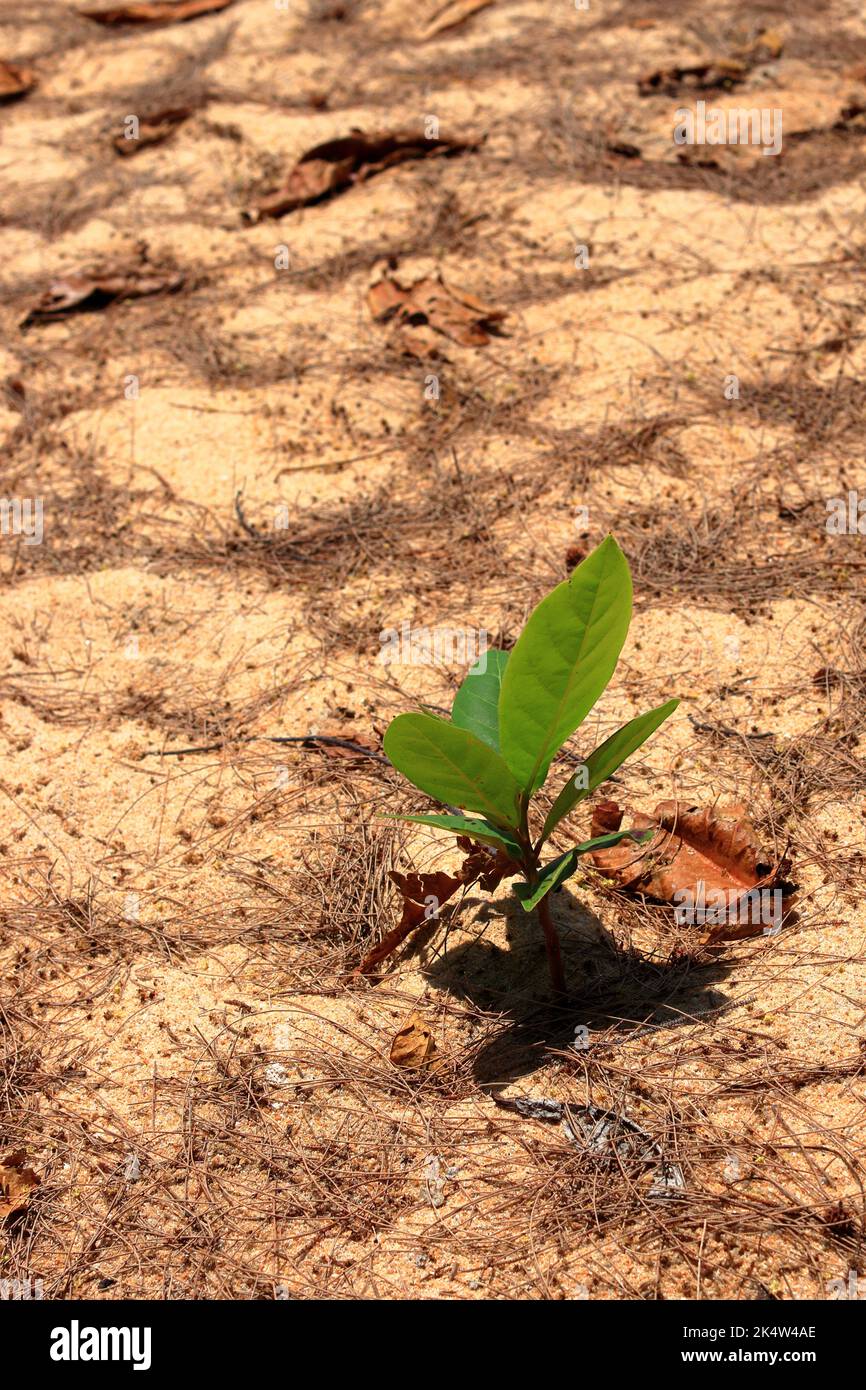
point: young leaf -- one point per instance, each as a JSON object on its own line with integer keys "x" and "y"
{"x": 453, "y": 766}
{"x": 476, "y": 704}
{"x": 562, "y": 662}
{"x": 605, "y": 760}
{"x": 475, "y": 829}
{"x": 558, "y": 870}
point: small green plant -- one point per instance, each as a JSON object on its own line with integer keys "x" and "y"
{"x": 510, "y": 717}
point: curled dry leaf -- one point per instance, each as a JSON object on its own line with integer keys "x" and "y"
{"x": 86, "y": 291}
{"x": 484, "y": 865}
{"x": 420, "y": 312}
{"x": 15, "y": 82}
{"x": 424, "y": 894}
{"x": 154, "y": 11}
{"x": 337, "y": 164}
{"x": 153, "y": 130}
{"x": 16, "y": 1183}
{"x": 449, "y": 15}
{"x": 693, "y": 845}
{"x": 414, "y": 1045}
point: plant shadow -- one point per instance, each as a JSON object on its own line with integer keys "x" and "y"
{"x": 611, "y": 989}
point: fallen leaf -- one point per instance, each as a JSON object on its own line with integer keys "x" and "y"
{"x": 449, "y": 15}
{"x": 155, "y": 11}
{"x": 485, "y": 865}
{"x": 424, "y": 894}
{"x": 16, "y": 1183}
{"x": 15, "y": 82}
{"x": 420, "y": 312}
{"x": 414, "y": 1045}
{"x": 337, "y": 164}
{"x": 153, "y": 130}
{"x": 693, "y": 845}
{"x": 86, "y": 291}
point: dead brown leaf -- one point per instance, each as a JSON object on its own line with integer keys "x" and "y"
{"x": 449, "y": 15}
{"x": 16, "y": 1183}
{"x": 337, "y": 164}
{"x": 692, "y": 845}
{"x": 421, "y": 312}
{"x": 424, "y": 894}
{"x": 153, "y": 130}
{"x": 414, "y": 1045}
{"x": 155, "y": 11}
{"x": 485, "y": 865}
{"x": 15, "y": 82}
{"x": 70, "y": 294}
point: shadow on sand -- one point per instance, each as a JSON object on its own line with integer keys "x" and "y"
{"x": 611, "y": 990}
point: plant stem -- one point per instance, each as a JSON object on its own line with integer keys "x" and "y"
{"x": 551, "y": 941}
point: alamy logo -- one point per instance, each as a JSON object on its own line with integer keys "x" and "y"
{"x": 734, "y": 127}
{"x": 20, "y": 1288}
{"x": 77, "y": 1343}
{"x": 846, "y": 515}
{"x": 842, "y": 1288}
{"x": 718, "y": 906}
{"x": 22, "y": 516}
{"x": 437, "y": 646}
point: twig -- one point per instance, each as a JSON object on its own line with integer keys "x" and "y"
{"x": 723, "y": 730}
{"x": 247, "y": 525}
{"x": 270, "y": 738}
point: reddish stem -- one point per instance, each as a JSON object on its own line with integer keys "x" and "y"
{"x": 551, "y": 942}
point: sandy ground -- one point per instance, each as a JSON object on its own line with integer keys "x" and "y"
{"x": 246, "y": 481}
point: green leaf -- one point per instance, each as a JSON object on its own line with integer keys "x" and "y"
{"x": 605, "y": 760}
{"x": 476, "y": 704}
{"x": 475, "y": 829}
{"x": 453, "y": 766}
{"x": 562, "y": 662}
{"x": 558, "y": 870}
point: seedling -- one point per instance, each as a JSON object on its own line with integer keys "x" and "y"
{"x": 510, "y": 717}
